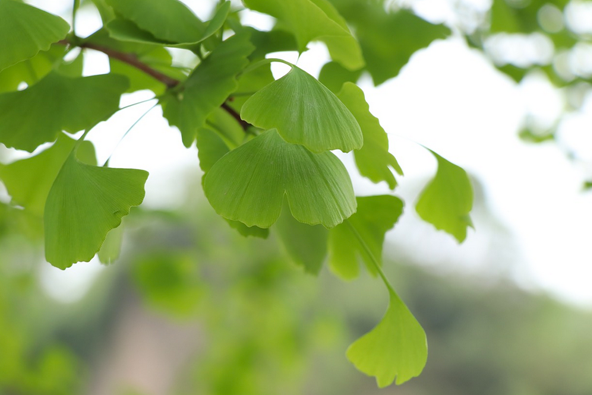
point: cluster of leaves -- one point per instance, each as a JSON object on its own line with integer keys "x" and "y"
{"x": 264, "y": 145}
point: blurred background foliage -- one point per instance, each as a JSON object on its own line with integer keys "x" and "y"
{"x": 191, "y": 307}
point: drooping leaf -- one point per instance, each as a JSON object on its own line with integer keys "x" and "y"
{"x": 373, "y": 159}
{"x": 304, "y": 112}
{"x": 227, "y": 127}
{"x": 207, "y": 87}
{"x": 272, "y": 41}
{"x": 333, "y": 76}
{"x": 395, "y": 348}
{"x": 168, "y": 20}
{"x": 111, "y": 247}
{"x": 249, "y": 183}
{"x": 447, "y": 200}
{"x": 37, "y": 114}
{"x": 306, "y": 245}
{"x": 375, "y": 216}
{"x": 28, "y": 181}
{"x": 83, "y": 205}
{"x": 314, "y": 20}
{"x": 210, "y": 148}
{"x": 26, "y": 30}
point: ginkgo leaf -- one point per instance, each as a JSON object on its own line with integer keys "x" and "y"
{"x": 304, "y": 112}
{"x": 249, "y": 183}
{"x": 84, "y": 203}
{"x": 447, "y": 200}
{"x": 37, "y": 114}
{"x": 207, "y": 87}
{"x": 111, "y": 247}
{"x": 396, "y": 347}
{"x": 314, "y": 20}
{"x": 26, "y": 30}
{"x": 374, "y": 217}
{"x": 333, "y": 76}
{"x": 28, "y": 181}
{"x": 306, "y": 245}
{"x": 373, "y": 159}
{"x": 168, "y": 20}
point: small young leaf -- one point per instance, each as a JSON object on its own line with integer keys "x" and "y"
{"x": 111, "y": 247}
{"x": 314, "y": 20}
{"x": 26, "y": 30}
{"x": 304, "y": 112}
{"x": 307, "y": 245}
{"x": 28, "y": 181}
{"x": 207, "y": 87}
{"x": 37, "y": 114}
{"x": 84, "y": 203}
{"x": 447, "y": 200}
{"x": 249, "y": 183}
{"x": 396, "y": 347}
{"x": 373, "y": 159}
{"x": 375, "y": 216}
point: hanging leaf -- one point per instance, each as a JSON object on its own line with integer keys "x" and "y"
{"x": 37, "y": 114}
{"x": 310, "y": 21}
{"x": 373, "y": 159}
{"x": 306, "y": 245}
{"x": 26, "y": 30}
{"x": 207, "y": 87}
{"x": 447, "y": 200}
{"x": 304, "y": 112}
{"x": 249, "y": 183}
{"x": 28, "y": 181}
{"x": 167, "y": 20}
{"x": 83, "y": 205}
{"x": 396, "y": 347}
{"x": 333, "y": 76}
{"x": 111, "y": 247}
{"x": 374, "y": 217}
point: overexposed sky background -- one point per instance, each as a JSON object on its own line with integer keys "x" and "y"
{"x": 448, "y": 98}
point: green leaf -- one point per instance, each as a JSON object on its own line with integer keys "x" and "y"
{"x": 111, "y": 247}
{"x": 28, "y": 181}
{"x": 249, "y": 183}
{"x": 373, "y": 159}
{"x": 37, "y": 114}
{"x": 333, "y": 76}
{"x": 306, "y": 245}
{"x": 447, "y": 200}
{"x": 271, "y": 41}
{"x": 246, "y": 231}
{"x": 168, "y": 20}
{"x": 375, "y": 216}
{"x": 310, "y": 21}
{"x": 207, "y": 87}
{"x": 304, "y": 112}
{"x": 26, "y": 30}
{"x": 396, "y": 347}
{"x": 83, "y": 205}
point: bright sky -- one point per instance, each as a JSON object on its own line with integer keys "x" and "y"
{"x": 450, "y": 99}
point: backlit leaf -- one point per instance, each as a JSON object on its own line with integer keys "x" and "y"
{"x": 447, "y": 200}
{"x": 207, "y": 87}
{"x": 28, "y": 181}
{"x": 37, "y": 114}
{"x": 26, "y": 30}
{"x": 333, "y": 76}
{"x": 304, "y": 112}
{"x": 375, "y": 216}
{"x": 249, "y": 183}
{"x": 395, "y": 348}
{"x": 111, "y": 247}
{"x": 373, "y": 159}
{"x": 314, "y": 20}
{"x": 84, "y": 204}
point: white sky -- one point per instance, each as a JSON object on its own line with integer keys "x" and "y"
{"x": 450, "y": 99}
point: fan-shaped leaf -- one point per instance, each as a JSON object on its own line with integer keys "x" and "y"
{"x": 373, "y": 159}
{"x": 84, "y": 203}
{"x": 26, "y": 30}
{"x": 447, "y": 200}
{"x": 37, "y": 114}
{"x": 207, "y": 87}
{"x": 304, "y": 112}
{"x": 374, "y": 217}
{"x": 249, "y": 183}
{"x": 396, "y": 347}
{"x": 314, "y": 20}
